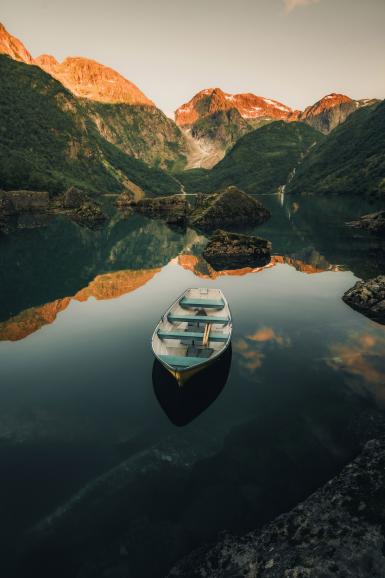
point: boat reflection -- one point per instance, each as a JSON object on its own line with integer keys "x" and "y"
{"x": 183, "y": 404}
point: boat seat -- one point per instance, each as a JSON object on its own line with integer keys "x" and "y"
{"x": 198, "y": 318}
{"x": 190, "y": 335}
{"x": 178, "y": 361}
{"x": 206, "y": 303}
{"x": 198, "y": 351}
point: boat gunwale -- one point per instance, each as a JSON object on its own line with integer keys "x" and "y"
{"x": 205, "y": 361}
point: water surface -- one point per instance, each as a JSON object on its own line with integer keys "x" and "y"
{"x": 103, "y": 468}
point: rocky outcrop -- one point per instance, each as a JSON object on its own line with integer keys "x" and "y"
{"x": 368, "y": 297}
{"x": 73, "y": 198}
{"x": 230, "y": 208}
{"x": 373, "y": 222}
{"x": 338, "y": 531}
{"x": 89, "y": 215}
{"x": 233, "y": 251}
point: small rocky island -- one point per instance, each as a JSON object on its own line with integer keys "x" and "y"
{"x": 230, "y": 208}
{"x": 233, "y": 251}
{"x": 368, "y": 297}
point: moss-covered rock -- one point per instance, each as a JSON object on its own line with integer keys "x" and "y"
{"x": 233, "y": 251}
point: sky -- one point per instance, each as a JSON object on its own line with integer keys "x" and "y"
{"x": 294, "y": 51}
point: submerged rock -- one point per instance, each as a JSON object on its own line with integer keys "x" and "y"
{"x": 368, "y": 297}
{"x": 338, "y": 531}
{"x": 233, "y": 251}
{"x": 229, "y": 208}
{"x": 373, "y": 222}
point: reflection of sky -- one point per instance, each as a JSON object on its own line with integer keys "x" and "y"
{"x": 361, "y": 358}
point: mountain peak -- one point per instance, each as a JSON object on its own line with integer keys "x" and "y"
{"x": 90, "y": 79}
{"x": 249, "y": 106}
{"x": 13, "y": 47}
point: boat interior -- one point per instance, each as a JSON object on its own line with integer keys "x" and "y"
{"x": 194, "y": 329}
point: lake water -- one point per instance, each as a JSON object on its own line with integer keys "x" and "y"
{"x": 106, "y": 468}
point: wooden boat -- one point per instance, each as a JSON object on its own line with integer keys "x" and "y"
{"x": 193, "y": 333}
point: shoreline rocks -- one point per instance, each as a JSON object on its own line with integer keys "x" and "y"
{"x": 230, "y": 208}
{"x": 338, "y": 531}
{"x": 368, "y": 297}
{"x": 233, "y": 251}
{"x": 373, "y": 222}
{"x": 74, "y": 204}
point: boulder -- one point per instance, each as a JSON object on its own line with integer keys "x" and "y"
{"x": 233, "y": 251}
{"x": 73, "y": 198}
{"x": 368, "y": 297}
{"x": 89, "y": 215}
{"x": 231, "y": 208}
{"x": 373, "y": 222}
{"x": 338, "y": 531}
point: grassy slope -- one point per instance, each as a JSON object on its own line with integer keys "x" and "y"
{"x": 350, "y": 160}
{"x": 48, "y": 142}
{"x": 259, "y": 162}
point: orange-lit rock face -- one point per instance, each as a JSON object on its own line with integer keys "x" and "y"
{"x": 89, "y": 79}
{"x": 249, "y": 106}
{"x": 13, "y": 47}
{"x": 108, "y": 286}
{"x": 330, "y": 101}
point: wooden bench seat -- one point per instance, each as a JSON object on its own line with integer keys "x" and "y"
{"x": 198, "y": 318}
{"x": 190, "y": 335}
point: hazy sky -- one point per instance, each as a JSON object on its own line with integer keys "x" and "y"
{"x": 292, "y": 50}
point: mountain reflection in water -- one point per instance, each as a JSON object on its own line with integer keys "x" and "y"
{"x": 183, "y": 404}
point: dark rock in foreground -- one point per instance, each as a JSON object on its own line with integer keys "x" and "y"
{"x": 233, "y": 251}
{"x": 338, "y": 531}
{"x": 230, "y": 208}
{"x": 373, "y": 222}
{"x": 89, "y": 215}
{"x": 368, "y": 297}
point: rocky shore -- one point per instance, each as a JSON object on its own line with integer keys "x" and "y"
{"x": 373, "y": 222}
{"x": 368, "y": 297}
{"x": 230, "y": 208}
{"x": 338, "y": 531}
{"x": 74, "y": 204}
{"x": 233, "y": 251}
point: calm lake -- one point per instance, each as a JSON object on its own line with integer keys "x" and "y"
{"x": 106, "y": 468}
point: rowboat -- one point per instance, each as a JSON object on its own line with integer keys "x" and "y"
{"x": 193, "y": 333}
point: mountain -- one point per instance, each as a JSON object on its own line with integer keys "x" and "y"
{"x": 331, "y": 111}
{"x": 89, "y": 79}
{"x": 122, "y": 114}
{"x": 13, "y": 47}
{"x": 350, "y": 160}
{"x": 260, "y": 162}
{"x": 49, "y": 142}
{"x": 248, "y": 105}
{"x": 205, "y": 119}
